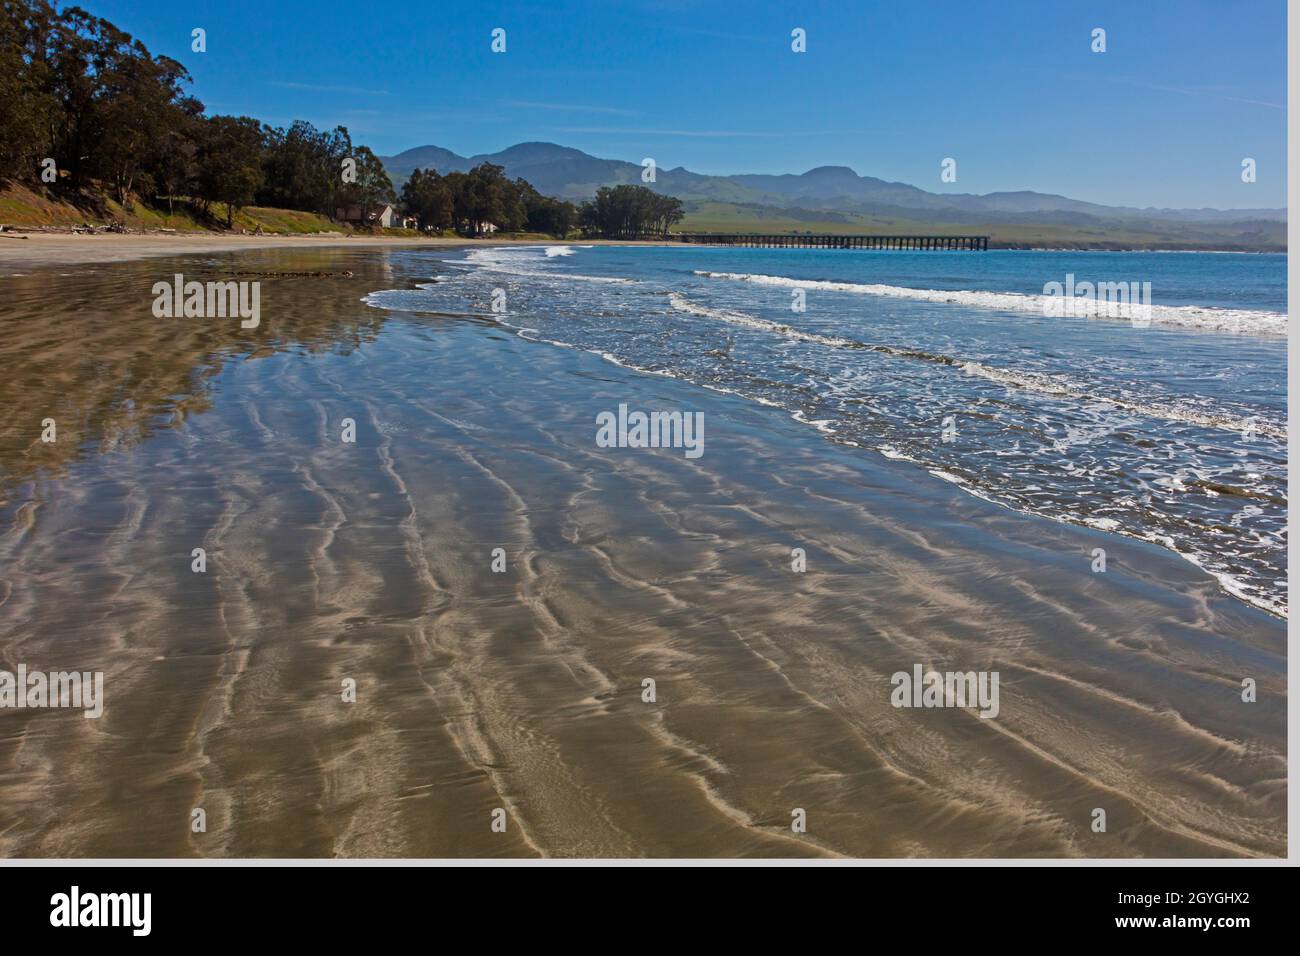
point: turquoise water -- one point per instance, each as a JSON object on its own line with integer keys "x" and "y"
{"x": 1170, "y": 430}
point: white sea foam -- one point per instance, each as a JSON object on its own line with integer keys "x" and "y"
{"x": 682, "y": 304}
{"x": 947, "y": 476}
{"x": 823, "y": 425}
{"x": 889, "y": 451}
{"x": 1205, "y": 319}
{"x": 1044, "y": 384}
{"x": 1201, "y": 415}
{"x": 524, "y": 262}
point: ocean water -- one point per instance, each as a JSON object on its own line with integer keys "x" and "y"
{"x": 1173, "y": 432}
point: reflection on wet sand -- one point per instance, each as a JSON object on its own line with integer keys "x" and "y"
{"x": 522, "y": 690}
{"x": 86, "y": 350}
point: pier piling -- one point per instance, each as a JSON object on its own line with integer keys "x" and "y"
{"x": 830, "y": 241}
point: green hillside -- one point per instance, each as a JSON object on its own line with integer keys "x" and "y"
{"x": 24, "y": 207}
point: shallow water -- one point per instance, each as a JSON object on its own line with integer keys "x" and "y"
{"x": 1173, "y": 433}
{"x": 523, "y": 690}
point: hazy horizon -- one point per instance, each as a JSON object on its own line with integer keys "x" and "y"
{"x": 471, "y": 154}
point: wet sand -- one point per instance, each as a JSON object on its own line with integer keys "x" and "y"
{"x": 36, "y": 249}
{"x": 33, "y": 250}
{"x": 522, "y": 690}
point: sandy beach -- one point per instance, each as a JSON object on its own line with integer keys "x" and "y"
{"x": 37, "y": 249}
{"x": 523, "y": 689}
{"x": 34, "y": 250}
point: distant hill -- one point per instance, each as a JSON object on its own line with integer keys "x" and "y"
{"x": 423, "y": 157}
{"x": 837, "y": 193}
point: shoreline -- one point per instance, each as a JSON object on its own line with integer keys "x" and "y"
{"x": 37, "y": 250}
{"x": 523, "y": 689}
{"x": 41, "y": 249}
{"x": 44, "y": 250}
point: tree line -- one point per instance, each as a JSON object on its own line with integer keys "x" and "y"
{"x": 83, "y": 105}
{"x": 466, "y": 201}
{"x": 85, "y": 108}
{"x": 629, "y": 212}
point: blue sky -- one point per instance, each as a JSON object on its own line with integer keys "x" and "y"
{"x": 1009, "y": 88}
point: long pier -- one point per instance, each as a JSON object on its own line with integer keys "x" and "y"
{"x": 808, "y": 241}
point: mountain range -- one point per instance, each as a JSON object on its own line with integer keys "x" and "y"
{"x": 837, "y": 194}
